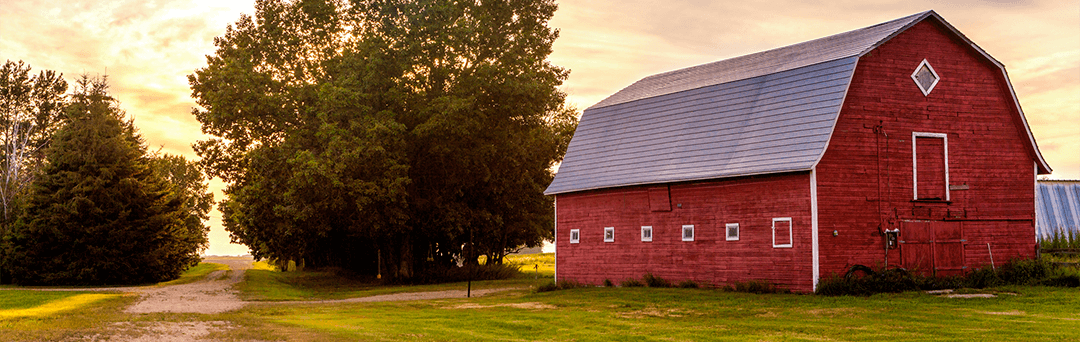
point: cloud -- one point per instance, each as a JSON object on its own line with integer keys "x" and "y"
{"x": 148, "y": 47}
{"x": 609, "y": 45}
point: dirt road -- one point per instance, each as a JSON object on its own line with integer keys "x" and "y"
{"x": 215, "y": 294}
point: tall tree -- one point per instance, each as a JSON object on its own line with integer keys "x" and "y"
{"x": 99, "y": 214}
{"x": 190, "y": 187}
{"x": 31, "y": 110}
{"x": 385, "y": 130}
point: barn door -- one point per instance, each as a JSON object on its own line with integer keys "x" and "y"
{"x": 932, "y": 247}
{"x": 948, "y": 248}
{"x": 916, "y": 249}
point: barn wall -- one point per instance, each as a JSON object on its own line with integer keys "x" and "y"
{"x": 752, "y": 202}
{"x": 865, "y": 178}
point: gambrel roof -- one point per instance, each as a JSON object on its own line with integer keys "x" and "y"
{"x": 767, "y": 112}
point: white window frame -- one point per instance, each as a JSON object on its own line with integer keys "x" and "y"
{"x": 609, "y": 234}
{"x": 645, "y": 229}
{"x": 915, "y": 162}
{"x": 937, "y": 78}
{"x": 575, "y": 235}
{"x": 727, "y": 231}
{"x": 691, "y": 230}
{"x": 791, "y": 236}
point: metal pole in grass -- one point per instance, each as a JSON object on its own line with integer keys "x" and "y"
{"x": 468, "y": 292}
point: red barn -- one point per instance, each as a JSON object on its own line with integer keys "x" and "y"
{"x": 899, "y": 144}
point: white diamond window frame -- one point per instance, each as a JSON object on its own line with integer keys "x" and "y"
{"x": 915, "y": 77}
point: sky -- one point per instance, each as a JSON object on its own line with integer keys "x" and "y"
{"x": 148, "y": 47}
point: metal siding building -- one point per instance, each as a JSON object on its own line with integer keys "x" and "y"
{"x": 1058, "y": 207}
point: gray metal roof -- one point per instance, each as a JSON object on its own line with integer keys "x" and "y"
{"x": 762, "y": 113}
{"x": 1057, "y": 207}
{"x": 834, "y": 47}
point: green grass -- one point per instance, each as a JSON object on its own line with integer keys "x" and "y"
{"x": 266, "y": 284}
{"x": 196, "y": 273}
{"x": 1019, "y": 313}
{"x": 50, "y": 316}
{"x": 22, "y": 299}
{"x": 651, "y": 314}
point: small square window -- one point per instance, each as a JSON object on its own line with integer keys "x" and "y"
{"x": 575, "y": 235}
{"x": 609, "y": 234}
{"x": 646, "y": 233}
{"x": 733, "y": 232}
{"x": 781, "y": 232}
{"x": 688, "y": 232}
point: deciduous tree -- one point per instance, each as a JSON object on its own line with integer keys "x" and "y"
{"x": 386, "y": 130}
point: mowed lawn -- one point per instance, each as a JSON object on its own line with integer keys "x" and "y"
{"x": 648, "y": 314}
{"x": 583, "y": 314}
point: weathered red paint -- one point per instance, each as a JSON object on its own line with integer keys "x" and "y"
{"x": 864, "y": 187}
{"x": 865, "y": 177}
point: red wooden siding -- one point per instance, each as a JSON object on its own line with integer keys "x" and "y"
{"x": 865, "y": 179}
{"x": 751, "y": 202}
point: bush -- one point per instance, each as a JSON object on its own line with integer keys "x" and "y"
{"x": 608, "y": 283}
{"x": 687, "y": 284}
{"x": 632, "y": 283}
{"x": 1025, "y": 272}
{"x": 450, "y": 274}
{"x": 757, "y": 286}
{"x": 1063, "y": 280}
{"x": 560, "y": 285}
{"x": 1060, "y": 238}
{"x": 654, "y": 281}
{"x": 1015, "y": 272}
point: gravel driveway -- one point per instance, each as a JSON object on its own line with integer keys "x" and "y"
{"x": 215, "y": 294}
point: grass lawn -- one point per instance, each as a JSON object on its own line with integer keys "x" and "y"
{"x": 584, "y": 314}
{"x": 636, "y": 314}
{"x": 645, "y": 314}
{"x": 265, "y": 284}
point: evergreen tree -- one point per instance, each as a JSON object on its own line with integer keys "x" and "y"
{"x": 99, "y": 214}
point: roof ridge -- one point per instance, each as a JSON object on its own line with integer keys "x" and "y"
{"x": 747, "y": 66}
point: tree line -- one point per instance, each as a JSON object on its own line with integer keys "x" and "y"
{"x": 84, "y": 202}
{"x": 385, "y": 136}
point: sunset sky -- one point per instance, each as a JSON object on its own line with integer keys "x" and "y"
{"x": 148, "y": 47}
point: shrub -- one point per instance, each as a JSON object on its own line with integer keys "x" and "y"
{"x": 608, "y": 283}
{"x": 449, "y": 274}
{"x": 1060, "y": 238}
{"x": 1025, "y": 272}
{"x": 654, "y": 281}
{"x": 863, "y": 281}
{"x": 757, "y": 286}
{"x": 560, "y": 285}
{"x": 632, "y": 283}
{"x": 1015, "y": 272}
{"x": 688, "y": 284}
{"x": 1063, "y": 280}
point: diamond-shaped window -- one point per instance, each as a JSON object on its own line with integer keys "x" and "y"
{"x": 925, "y": 77}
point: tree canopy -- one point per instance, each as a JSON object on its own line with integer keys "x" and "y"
{"x": 418, "y": 133}
{"x": 99, "y": 213}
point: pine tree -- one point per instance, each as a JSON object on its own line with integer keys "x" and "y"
{"x": 99, "y": 213}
